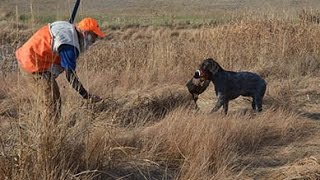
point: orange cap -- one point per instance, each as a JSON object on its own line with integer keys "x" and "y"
{"x": 90, "y": 24}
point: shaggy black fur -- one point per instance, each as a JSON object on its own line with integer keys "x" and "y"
{"x": 228, "y": 85}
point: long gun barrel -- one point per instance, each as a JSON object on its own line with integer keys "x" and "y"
{"x": 74, "y": 12}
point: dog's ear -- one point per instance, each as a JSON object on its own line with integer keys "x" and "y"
{"x": 211, "y": 66}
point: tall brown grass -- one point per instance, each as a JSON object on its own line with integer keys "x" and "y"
{"x": 207, "y": 147}
{"x": 271, "y": 47}
{"x": 145, "y": 128}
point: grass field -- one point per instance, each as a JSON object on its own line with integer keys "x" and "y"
{"x": 146, "y": 127}
{"x": 159, "y": 12}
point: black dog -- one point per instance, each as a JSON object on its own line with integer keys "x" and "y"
{"x": 228, "y": 85}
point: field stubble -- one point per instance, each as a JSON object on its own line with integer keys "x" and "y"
{"x": 147, "y": 129}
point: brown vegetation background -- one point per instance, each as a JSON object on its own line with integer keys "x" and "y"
{"x": 146, "y": 127}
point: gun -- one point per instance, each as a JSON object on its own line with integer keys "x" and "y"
{"x": 74, "y": 12}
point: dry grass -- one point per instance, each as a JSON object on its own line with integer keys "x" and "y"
{"x": 189, "y": 145}
{"x": 208, "y": 146}
{"x": 146, "y": 127}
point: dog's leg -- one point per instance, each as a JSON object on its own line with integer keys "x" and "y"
{"x": 258, "y": 101}
{"x": 258, "y": 97}
{"x": 219, "y": 103}
{"x": 225, "y": 106}
{"x": 253, "y": 104}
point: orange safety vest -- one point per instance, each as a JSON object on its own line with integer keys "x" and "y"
{"x": 36, "y": 54}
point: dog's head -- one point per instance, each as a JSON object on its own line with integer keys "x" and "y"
{"x": 202, "y": 77}
{"x": 209, "y": 68}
